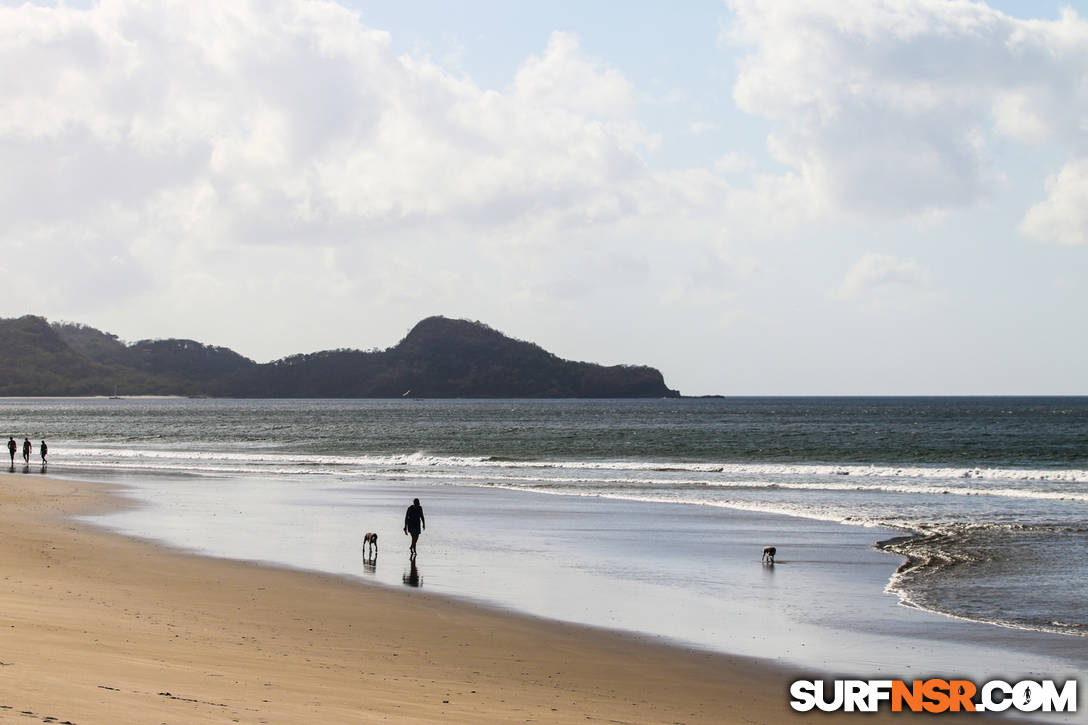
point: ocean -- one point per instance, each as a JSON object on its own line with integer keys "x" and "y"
{"x": 973, "y": 509}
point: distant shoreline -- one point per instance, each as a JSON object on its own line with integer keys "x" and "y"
{"x": 438, "y": 358}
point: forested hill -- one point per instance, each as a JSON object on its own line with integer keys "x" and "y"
{"x": 439, "y": 358}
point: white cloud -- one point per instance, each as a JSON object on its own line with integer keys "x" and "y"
{"x": 1018, "y": 115}
{"x": 224, "y": 162}
{"x": 564, "y": 78}
{"x": 892, "y": 108}
{"x": 880, "y": 275}
{"x": 734, "y": 162}
{"x": 1063, "y": 216}
{"x": 290, "y": 120}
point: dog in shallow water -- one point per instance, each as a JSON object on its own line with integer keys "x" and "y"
{"x": 370, "y": 539}
{"x": 768, "y": 554}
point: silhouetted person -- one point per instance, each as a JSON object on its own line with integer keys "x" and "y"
{"x": 43, "y": 450}
{"x": 27, "y": 447}
{"x": 12, "y": 446}
{"x": 414, "y": 523}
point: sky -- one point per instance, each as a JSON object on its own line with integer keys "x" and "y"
{"x": 849, "y": 197}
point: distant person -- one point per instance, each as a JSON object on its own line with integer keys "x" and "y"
{"x": 12, "y": 445}
{"x": 414, "y": 523}
{"x": 27, "y": 447}
{"x": 43, "y": 450}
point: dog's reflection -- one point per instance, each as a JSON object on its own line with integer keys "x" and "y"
{"x": 370, "y": 552}
{"x": 411, "y": 577}
{"x": 370, "y": 563}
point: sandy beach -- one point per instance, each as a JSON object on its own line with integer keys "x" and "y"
{"x": 99, "y": 628}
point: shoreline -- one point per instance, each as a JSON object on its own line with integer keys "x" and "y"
{"x": 102, "y": 628}
{"x": 613, "y": 564}
{"x": 99, "y": 627}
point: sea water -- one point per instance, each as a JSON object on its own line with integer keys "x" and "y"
{"x": 984, "y": 499}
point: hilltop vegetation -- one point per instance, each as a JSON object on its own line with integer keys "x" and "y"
{"x": 438, "y": 358}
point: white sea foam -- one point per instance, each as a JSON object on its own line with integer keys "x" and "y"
{"x": 905, "y": 497}
{"x": 421, "y": 458}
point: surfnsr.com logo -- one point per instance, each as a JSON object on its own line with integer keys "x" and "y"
{"x": 933, "y": 695}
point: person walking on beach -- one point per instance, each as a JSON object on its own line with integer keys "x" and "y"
{"x": 414, "y": 523}
{"x": 27, "y": 447}
{"x": 12, "y": 445}
{"x": 43, "y": 450}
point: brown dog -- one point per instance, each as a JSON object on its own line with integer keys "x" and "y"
{"x": 768, "y": 554}
{"x": 370, "y": 539}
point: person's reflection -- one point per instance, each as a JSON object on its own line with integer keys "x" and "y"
{"x": 412, "y": 577}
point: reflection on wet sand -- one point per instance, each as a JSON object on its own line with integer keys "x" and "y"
{"x": 411, "y": 577}
{"x": 370, "y": 563}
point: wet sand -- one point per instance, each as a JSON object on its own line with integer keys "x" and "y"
{"x": 688, "y": 575}
{"x": 99, "y": 628}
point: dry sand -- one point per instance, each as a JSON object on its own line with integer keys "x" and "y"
{"x": 98, "y": 628}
